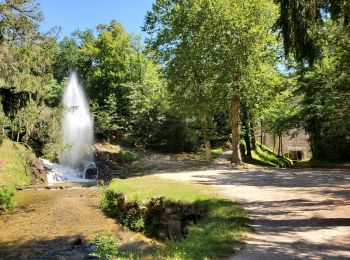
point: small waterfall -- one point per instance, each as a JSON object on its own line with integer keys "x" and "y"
{"x": 77, "y": 128}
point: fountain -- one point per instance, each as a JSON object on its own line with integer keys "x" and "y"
{"x": 77, "y": 129}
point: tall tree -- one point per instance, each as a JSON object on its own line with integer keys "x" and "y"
{"x": 241, "y": 39}
{"x": 326, "y": 106}
{"x": 299, "y": 20}
{"x": 25, "y": 54}
{"x": 178, "y": 38}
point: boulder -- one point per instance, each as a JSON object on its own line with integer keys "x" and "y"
{"x": 91, "y": 173}
{"x": 39, "y": 175}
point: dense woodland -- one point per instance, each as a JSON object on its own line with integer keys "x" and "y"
{"x": 209, "y": 70}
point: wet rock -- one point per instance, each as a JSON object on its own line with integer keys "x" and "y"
{"x": 39, "y": 175}
{"x": 91, "y": 173}
{"x": 75, "y": 241}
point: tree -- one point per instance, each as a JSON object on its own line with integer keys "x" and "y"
{"x": 25, "y": 76}
{"x": 207, "y": 48}
{"x": 299, "y": 20}
{"x": 326, "y": 105}
{"x": 178, "y": 39}
{"x": 26, "y": 56}
{"x": 241, "y": 38}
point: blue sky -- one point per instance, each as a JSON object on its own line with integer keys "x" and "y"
{"x": 83, "y": 14}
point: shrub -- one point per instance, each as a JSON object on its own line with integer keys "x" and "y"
{"x": 132, "y": 217}
{"x": 129, "y": 214}
{"x": 125, "y": 157}
{"x": 111, "y": 204}
{"x": 107, "y": 248}
{"x": 7, "y": 200}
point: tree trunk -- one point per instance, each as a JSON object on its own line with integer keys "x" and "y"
{"x": 252, "y": 135}
{"x": 204, "y": 123}
{"x": 279, "y": 145}
{"x": 245, "y": 124}
{"x": 261, "y": 132}
{"x": 236, "y": 155}
{"x": 247, "y": 142}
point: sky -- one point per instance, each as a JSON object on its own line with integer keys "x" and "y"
{"x": 71, "y": 15}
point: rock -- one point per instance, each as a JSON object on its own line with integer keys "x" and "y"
{"x": 174, "y": 228}
{"x": 39, "y": 174}
{"x": 75, "y": 241}
{"x": 91, "y": 248}
{"x": 91, "y": 173}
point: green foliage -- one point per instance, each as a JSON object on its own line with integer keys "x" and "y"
{"x": 210, "y": 59}
{"x": 326, "y": 106}
{"x": 108, "y": 249}
{"x": 132, "y": 217}
{"x": 26, "y": 78}
{"x": 7, "y": 197}
{"x": 128, "y": 214}
{"x": 111, "y": 202}
{"x": 17, "y": 159}
{"x": 27, "y": 55}
{"x": 299, "y": 20}
{"x": 125, "y": 157}
{"x": 164, "y": 131}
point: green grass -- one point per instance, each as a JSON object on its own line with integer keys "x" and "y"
{"x": 144, "y": 188}
{"x": 15, "y": 170}
{"x": 217, "y": 151}
{"x": 224, "y": 226}
{"x": 266, "y": 156}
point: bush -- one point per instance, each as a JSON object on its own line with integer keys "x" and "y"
{"x": 107, "y": 248}
{"x": 129, "y": 214}
{"x": 132, "y": 217}
{"x": 7, "y": 200}
{"x": 125, "y": 157}
{"x": 111, "y": 204}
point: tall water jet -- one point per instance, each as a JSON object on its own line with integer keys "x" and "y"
{"x": 77, "y": 125}
{"x": 76, "y": 162}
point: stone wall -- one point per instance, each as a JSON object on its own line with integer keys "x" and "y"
{"x": 159, "y": 217}
{"x": 295, "y": 144}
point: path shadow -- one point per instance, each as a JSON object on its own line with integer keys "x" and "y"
{"x": 295, "y": 250}
{"x": 283, "y": 178}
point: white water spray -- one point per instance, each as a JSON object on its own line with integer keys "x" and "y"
{"x": 77, "y": 129}
{"x": 77, "y": 125}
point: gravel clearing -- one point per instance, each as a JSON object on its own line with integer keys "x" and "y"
{"x": 297, "y": 213}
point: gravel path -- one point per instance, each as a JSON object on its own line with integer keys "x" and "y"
{"x": 297, "y": 214}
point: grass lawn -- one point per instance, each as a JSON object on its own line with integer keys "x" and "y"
{"x": 14, "y": 170}
{"x": 225, "y": 225}
{"x": 266, "y": 156}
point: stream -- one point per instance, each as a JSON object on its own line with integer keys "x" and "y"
{"x": 45, "y": 224}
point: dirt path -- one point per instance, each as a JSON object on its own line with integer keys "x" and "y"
{"x": 45, "y": 223}
{"x": 297, "y": 214}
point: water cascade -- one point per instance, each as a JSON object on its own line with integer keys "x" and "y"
{"x": 77, "y": 129}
